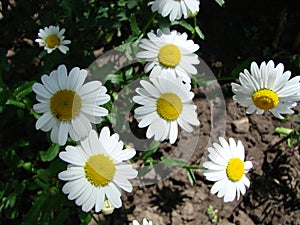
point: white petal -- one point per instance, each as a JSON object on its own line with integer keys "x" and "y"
{"x": 73, "y": 155}
{"x": 173, "y": 133}
{"x": 99, "y": 199}
{"x": 62, "y": 77}
{"x": 81, "y": 126}
{"x": 63, "y": 132}
{"x": 113, "y": 195}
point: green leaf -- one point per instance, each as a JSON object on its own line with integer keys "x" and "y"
{"x": 173, "y": 162}
{"x": 220, "y": 2}
{"x": 245, "y": 64}
{"x": 85, "y": 218}
{"x": 23, "y": 90}
{"x": 283, "y": 130}
{"x": 131, "y": 4}
{"x": 114, "y": 78}
{"x": 50, "y": 154}
{"x": 184, "y": 24}
{"x": 15, "y": 103}
{"x": 191, "y": 176}
{"x": 133, "y": 25}
{"x": 152, "y": 149}
{"x": 199, "y": 32}
{"x": 34, "y": 212}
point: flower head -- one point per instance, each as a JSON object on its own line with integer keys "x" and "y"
{"x": 165, "y": 104}
{"x": 169, "y": 51}
{"x": 227, "y": 168}
{"x": 145, "y": 222}
{"x": 176, "y": 9}
{"x": 68, "y": 105}
{"x": 267, "y": 88}
{"x": 52, "y": 38}
{"x": 97, "y": 171}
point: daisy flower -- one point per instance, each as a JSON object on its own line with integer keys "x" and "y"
{"x": 169, "y": 51}
{"x": 52, "y": 38}
{"x": 227, "y": 168}
{"x": 68, "y": 105}
{"x": 165, "y": 104}
{"x": 176, "y": 9}
{"x": 97, "y": 171}
{"x": 267, "y": 88}
{"x": 145, "y": 222}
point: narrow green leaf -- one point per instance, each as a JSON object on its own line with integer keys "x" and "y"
{"x": 173, "y": 162}
{"x": 184, "y": 24}
{"x": 283, "y": 130}
{"x": 191, "y": 176}
{"x": 199, "y": 32}
{"x": 15, "y": 103}
{"x": 134, "y": 26}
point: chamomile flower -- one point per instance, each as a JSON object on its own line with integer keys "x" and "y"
{"x": 169, "y": 51}
{"x": 97, "y": 171}
{"x": 52, "y": 38}
{"x": 69, "y": 106}
{"x": 176, "y": 9}
{"x": 145, "y": 222}
{"x": 267, "y": 88}
{"x": 165, "y": 104}
{"x": 227, "y": 168}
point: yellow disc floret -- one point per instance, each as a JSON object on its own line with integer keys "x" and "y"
{"x": 265, "y": 99}
{"x": 52, "y": 41}
{"x": 169, "y": 55}
{"x": 235, "y": 169}
{"x": 99, "y": 170}
{"x": 169, "y": 106}
{"x": 65, "y": 105}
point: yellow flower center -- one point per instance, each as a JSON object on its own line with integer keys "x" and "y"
{"x": 265, "y": 99}
{"x": 65, "y": 105}
{"x": 169, "y": 106}
{"x": 235, "y": 169}
{"x": 169, "y": 55}
{"x": 99, "y": 170}
{"x": 52, "y": 41}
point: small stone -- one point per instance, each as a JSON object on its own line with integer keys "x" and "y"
{"x": 242, "y": 125}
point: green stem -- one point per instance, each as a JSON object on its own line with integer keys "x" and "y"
{"x": 195, "y": 25}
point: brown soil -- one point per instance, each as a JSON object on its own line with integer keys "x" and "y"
{"x": 274, "y": 194}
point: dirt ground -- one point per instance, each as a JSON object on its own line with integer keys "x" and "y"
{"x": 273, "y": 196}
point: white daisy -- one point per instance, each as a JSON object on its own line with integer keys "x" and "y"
{"x": 166, "y": 103}
{"x": 96, "y": 171}
{"x": 52, "y": 38}
{"x": 145, "y": 222}
{"x": 68, "y": 105}
{"x": 267, "y": 88}
{"x": 176, "y": 8}
{"x": 169, "y": 51}
{"x": 227, "y": 168}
